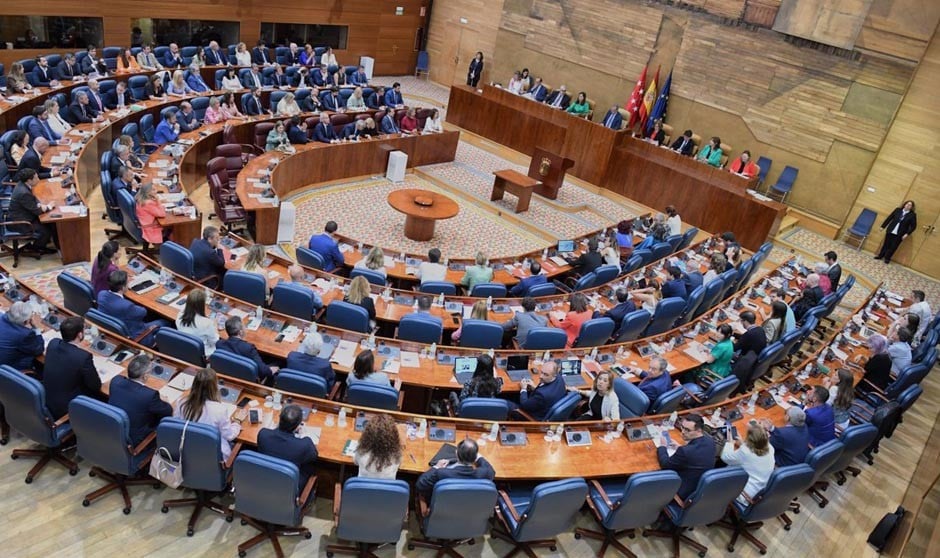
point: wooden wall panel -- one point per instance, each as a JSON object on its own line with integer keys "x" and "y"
{"x": 899, "y": 28}
{"x": 830, "y": 22}
{"x": 452, "y": 44}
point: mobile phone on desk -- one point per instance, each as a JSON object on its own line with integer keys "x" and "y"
{"x": 243, "y": 403}
{"x": 254, "y": 417}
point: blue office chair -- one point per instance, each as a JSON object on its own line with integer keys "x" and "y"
{"x": 665, "y": 315}
{"x": 364, "y": 394}
{"x": 621, "y": 508}
{"x": 633, "y": 402}
{"x": 605, "y": 274}
{"x": 179, "y": 260}
{"x": 481, "y": 334}
{"x": 562, "y": 409}
{"x": 372, "y": 276}
{"x": 632, "y": 326}
{"x": 744, "y": 273}
{"x": 660, "y": 250}
{"x": 674, "y": 241}
{"x": 691, "y": 305}
{"x": 23, "y": 400}
{"x": 483, "y": 290}
{"x": 345, "y": 315}
{"x": 784, "y": 484}
{"x": 117, "y": 326}
{"x": 634, "y": 262}
{"x": 219, "y": 74}
{"x": 199, "y": 104}
{"x": 385, "y": 504}
{"x": 821, "y": 459}
{"x": 268, "y": 496}
{"x": 861, "y": 228}
{"x": 459, "y": 511}
{"x": 147, "y": 128}
{"x": 646, "y": 256}
{"x": 423, "y": 66}
{"x": 293, "y": 300}
{"x": 204, "y": 471}
{"x": 667, "y": 402}
{"x": 716, "y": 489}
{"x": 246, "y": 286}
{"x": 768, "y": 357}
{"x": 308, "y": 258}
{"x": 77, "y": 293}
{"x": 544, "y": 289}
{"x": 730, "y": 279}
{"x": 181, "y": 346}
{"x": 483, "y": 408}
{"x": 438, "y": 287}
{"x": 784, "y": 184}
{"x": 236, "y": 366}
{"x": 713, "y": 292}
{"x": 276, "y": 96}
{"x": 545, "y": 339}
{"x": 129, "y": 213}
{"x": 907, "y": 399}
{"x": 717, "y": 392}
{"x": 586, "y": 281}
{"x": 687, "y": 238}
{"x": 103, "y": 435}
{"x": 420, "y": 329}
{"x": 594, "y": 332}
{"x": 534, "y": 517}
{"x": 137, "y": 85}
{"x": 303, "y": 383}
{"x": 855, "y": 440}
{"x": 763, "y": 164}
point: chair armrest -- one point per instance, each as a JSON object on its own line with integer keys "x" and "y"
{"x": 231, "y": 458}
{"x": 451, "y": 411}
{"x": 508, "y": 502}
{"x": 305, "y": 495}
{"x": 603, "y": 493}
{"x": 145, "y": 333}
{"x": 875, "y": 389}
{"x": 401, "y": 398}
{"x": 690, "y": 394}
{"x": 524, "y": 415}
{"x": 515, "y": 345}
{"x": 61, "y": 421}
{"x": 206, "y": 278}
{"x": 337, "y": 496}
{"x": 679, "y": 501}
{"x": 333, "y": 394}
{"x": 144, "y": 443}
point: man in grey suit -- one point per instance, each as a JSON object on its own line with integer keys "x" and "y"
{"x": 523, "y": 322}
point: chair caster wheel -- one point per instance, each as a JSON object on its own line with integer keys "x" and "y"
{"x": 29, "y": 480}
{"x": 701, "y": 554}
{"x": 840, "y": 483}
{"x": 189, "y": 532}
{"x": 763, "y": 552}
{"x": 822, "y": 505}
{"x": 157, "y": 486}
{"x": 786, "y": 527}
{"x": 73, "y": 472}
{"x": 4, "y": 441}
{"x": 329, "y": 555}
{"x": 730, "y": 548}
{"x": 553, "y": 548}
{"x": 14, "y": 456}
{"x": 577, "y": 536}
{"x": 411, "y": 547}
{"x": 242, "y": 553}
{"x": 244, "y": 522}
{"x": 127, "y": 511}
{"x": 165, "y": 509}
{"x": 472, "y": 541}
{"x": 92, "y": 474}
{"x": 308, "y": 535}
{"x": 85, "y": 503}
{"x": 229, "y": 518}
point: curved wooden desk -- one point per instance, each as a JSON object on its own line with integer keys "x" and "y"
{"x": 422, "y": 208}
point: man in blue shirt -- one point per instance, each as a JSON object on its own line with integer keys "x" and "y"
{"x": 393, "y": 96}
{"x": 325, "y": 245}
{"x": 168, "y": 130}
{"x": 624, "y": 306}
{"x": 791, "y": 443}
{"x": 20, "y": 338}
{"x": 820, "y": 419}
{"x": 675, "y": 287}
{"x": 359, "y": 78}
{"x": 538, "y": 91}
{"x": 187, "y": 117}
{"x": 526, "y": 283}
{"x": 657, "y": 381}
{"x": 612, "y": 119}
{"x": 537, "y": 400}
{"x": 38, "y": 126}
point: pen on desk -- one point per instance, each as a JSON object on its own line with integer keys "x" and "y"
{"x": 413, "y": 460}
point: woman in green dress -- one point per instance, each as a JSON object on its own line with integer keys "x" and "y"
{"x": 719, "y": 360}
{"x": 580, "y": 107}
{"x": 711, "y": 153}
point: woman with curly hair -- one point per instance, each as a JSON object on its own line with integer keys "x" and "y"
{"x": 379, "y": 453}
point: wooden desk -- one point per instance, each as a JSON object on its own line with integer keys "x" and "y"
{"x": 516, "y": 184}
{"x": 73, "y": 230}
{"x": 422, "y": 208}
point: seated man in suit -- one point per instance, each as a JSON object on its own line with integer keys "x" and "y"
{"x": 297, "y": 131}
{"x": 283, "y": 443}
{"x": 120, "y": 97}
{"x": 526, "y": 283}
{"x": 142, "y": 404}
{"x": 186, "y": 117}
{"x": 20, "y": 337}
{"x": 298, "y": 278}
{"x": 113, "y": 303}
{"x": 168, "y": 130}
{"x": 333, "y": 101}
{"x": 538, "y": 92}
{"x": 80, "y": 112}
{"x": 820, "y": 418}
{"x": 387, "y": 124}
{"x": 624, "y": 306}
{"x": 68, "y": 68}
{"x": 674, "y": 287}
{"x": 321, "y": 77}
{"x": 253, "y": 106}
{"x": 612, "y": 119}
{"x": 326, "y": 245}
{"x": 38, "y": 126}
{"x": 43, "y": 75}
{"x": 94, "y": 97}
{"x": 260, "y": 55}
{"x": 69, "y": 369}
{"x": 324, "y": 132}
{"x": 524, "y": 321}
{"x": 236, "y": 344}
{"x": 691, "y": 460}
{"x": 377, "y": 99}
{"x": 195, "y": 81}
{"x": 173, "y": 58}
{"x": 124, "y": 181}
{"x": 753, "y": 339}
{"x": 684, "y": 144}
{"x": 24, "y": 206}
{"x": 791, "y": 442}
{"x": 692, "y": 280}
{"x": 587, "y": 261}
{"x": 359, "y": 77}
{"x": 209, "y": 257}
{"x": 657, "y": 380}
{"x": 432, "y": 270}
{"x": 559, "y": 99}
{"x": 91, "y": 64}
{"x": 538, "y": 400}
{"x": 468, "y": 465}
{"x": 424, "y": 310}
{"x": 214, "y": 55}
{"x": 306, "y": 359}
{"x": 393, "y": 97}
{"x": 253, "y": 78}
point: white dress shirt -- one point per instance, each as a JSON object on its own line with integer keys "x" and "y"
{"x": 218, "y": 415}
{"x": 203, "y": 328}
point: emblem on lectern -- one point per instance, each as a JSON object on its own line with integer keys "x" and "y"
{"x": 545, "y": 166}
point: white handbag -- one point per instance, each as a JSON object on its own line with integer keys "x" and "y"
{"x": 164, "y": 469}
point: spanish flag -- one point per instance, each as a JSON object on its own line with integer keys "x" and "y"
{"x": 648, "y": 99}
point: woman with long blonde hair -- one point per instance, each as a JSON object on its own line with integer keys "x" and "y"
{"x": 477, "y": 312}
{"x": 358, "y": 294}
{"x": 374, "y": 260}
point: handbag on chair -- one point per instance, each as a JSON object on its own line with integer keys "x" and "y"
{"x": 164, "y": 469}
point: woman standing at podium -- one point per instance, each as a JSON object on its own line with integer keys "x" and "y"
{"x": 475, "y": 70}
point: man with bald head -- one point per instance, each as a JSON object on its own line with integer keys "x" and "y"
{"x": 80, "y": 112}
{"x": 94, "y": 97}
{"x": 32, "y": 159}
{"x": 791, "y": 442}
{"x": 298, "y": 278}
{"x": 536, "y": 400}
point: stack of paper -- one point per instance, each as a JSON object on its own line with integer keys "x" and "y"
{"x": 106, "y": 369}
{"x": 345, "y": 354}
{"x": 170, "y": 394}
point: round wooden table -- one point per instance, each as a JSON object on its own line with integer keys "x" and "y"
{"x": 422, "y": 208}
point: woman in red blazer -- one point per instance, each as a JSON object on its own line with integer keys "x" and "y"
{"x": 744, "y": 165}
{"x": 578, "y": 313}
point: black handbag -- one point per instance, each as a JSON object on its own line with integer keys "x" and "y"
{"x": 881, "y": 535}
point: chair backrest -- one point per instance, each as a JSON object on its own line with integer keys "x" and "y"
{"x": 667, "y": 312}
{"x": 129, "y": 213}
{"x": 633, "y": 325}
{"x": 176, "y": 258}
{"x": 585, "y": 282}
{"x": 261, "y": 133}
{"x": 460, "y": 509}
{"x": 77, "y": 293}
{"x": 372, "y": 276}
{"x": 293, "y": 300}
{"x": 110, "y": 323}
{"x": 595, "y": 332}
{"x": 763, "y": 163}
{"x": 199, "y": 104}
{"x": 346, "y": 316}
{"x": 202, "y": 452}
{"x": 417, "y": 328}
{"x": 823, "y": 457}
{"x": 633, "y": 402}
{"x": 708, "y": 503}
{"x": 646, "y": 256}
{"x": 644, "y": 496}
{"x": 367, "y": 394}
{"x": 667, "y": 402}
{"x": 855, "y": 439}
{"x": 909, "y": 396}
{"x": 137, "y": 85}
{"x": 246, "y": 286}
{"x": 545, "y": 339}
{"x": 719, "y": 391}
{"x": 438, "y": 287}
{"x": 481, "y": 334}
{"x": 730, "y": 279}
{"x": 372, "y": 510}
{"x": 864, "y": 222}
{"x": 552, "y": 509}
{"x": 786, "y": 179}
{"x": 103, "y": 435}
{"x": 483, "y": 408}
{"x": 309, "y": 258}
{"x": 483, "y": 290}
{"x": 266, "y": 489}
{"x": 785, "y": 484}
{"x": 237, "y": 366}
{"x": 713, "y": 292}
{"x": 634, "y": 262}
{"x": 605, "y": 274}
{"x": 276, "y": 96}
{"x": 181, "y": 346}
{"x": 146, "y": 127}
{"x": 691, "y": 304}
{"x": 545, "y": 289}
{"x": 23, "y": 399}
{"x": 770, "y": 355}
{"x": 687, "y": 238}
{"x": 563, "y": 408}
{"x": 674, "y": 240}
{"x": 301, "y": 383}
{"x": 744, "y": 273}
{"x": 660, "y": 250}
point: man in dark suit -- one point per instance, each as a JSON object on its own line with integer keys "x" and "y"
{"x": 898, "y": 226}
{"x": 537, "y": 400}
{"x": 624, "y": 306}
{"x": 684, "y": 144}
{"x": 253, "y": 105}
{"x": 278, "y": 78}
{"x": 43, "y": 75}
{"x": 753, "y": 340}
{"x": 387, "y": 124}
{"x": 468, "y": 465}
{"x": 113, "y": 303}
{"x": 526, "y": 283}
{"x": 324, "y": 131}
{"x": 613, "y": 119}
{"x": 297, "y": 131}
{"x": 215, "y": 56}
{"x": 24, "y": 206}
{"x": 359, "y": 77}
{"x": 377, "y": 99}
{"x": 307, "y": 359}
{"x": 559, "y": 99}
{"x": 656, "y": 381}
{"x": 32, "y": 158}
{"x": 692, "y": 280}
{"x": 20, "y": 339}
{"x": 259, "y": 55}
{"x": 69, "y": 370}
{"x": 333, "y": 101}
{"x": 120, "y": 97}
{"x": 321, "y": 77}
{"x": 835, "y": 270}
{"x": 587, "y": 261}
{"x": 691, "y": 460}
{"x": 124, "y": 181}
{"x": 80, "y": 112}
{"x": 186, "y": 117}
{"x": 675, "y": 287}
{"x": 236, "y": 344}
{"x": 67, "y": 68}
{"x": 173, "y": 58}
{"x": 38, "y": 126}
{"x": 142, "y": 404}
{"x": 538, "y": 92}
{"x": 283, "y": 444}
{"x": 791, "y": 443}
{"x": 393, "y": 96}
{"x": 208, "y": 257}
{"x": 91, "y": 64}
{"x": 253, "y": 79}
{"x": 94, "y": 96}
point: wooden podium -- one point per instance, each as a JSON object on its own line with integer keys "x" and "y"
{"x": 549, "y": 169}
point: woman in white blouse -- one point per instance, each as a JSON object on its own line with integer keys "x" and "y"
{"x": 673, "y": 221}
{"x": 355, "y": 101}
{"x": 242, "y": 55}
{"x": 230, "y": 81}
{"x": 374, "y": 261}
{"x": 287, "y": 106}
{"x": 515, "y": 84}
{"x": 203, "y": 405}
{"x": 193, "y": 320}
{"x": 55, "y": 120}
{"x": 379, "y": 452}
{"x": 433, "y": 122}
{"x": 755, "y": 456}
{"x": 328, "y": 58}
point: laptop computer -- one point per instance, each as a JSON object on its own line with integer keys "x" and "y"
{"x": 517, "y": 367}
{"x": 565, "y": 246}
{"x": 571, "y": 372}
{"x": 464, "y": 367}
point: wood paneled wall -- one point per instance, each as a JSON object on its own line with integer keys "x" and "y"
{"x": 900, "y": 28}
{"x": 451, "y": 44}
{"x": 374, "y": 29}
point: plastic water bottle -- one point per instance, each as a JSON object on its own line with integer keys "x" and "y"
{"x": 341, "y": 422}
{"x": 371, "y": 341}
{"x": 440, "y": 300}
{"x": 593, "y": 356}
{"x": 489, "y": 303}
{"x": 716, "y": 416}
{"x": 433, "y": 351}
{"x": 491, "y": 353}
{"x": 259, "y": 312}
{"x": 414, "y": 307}
{"x": 401, "y": 258}
{"x": 544, "y": 254}
{"x": 547, "y": 356}
{"x": 422, "y": 428}
{"x": 494, "y": 432}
